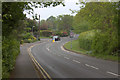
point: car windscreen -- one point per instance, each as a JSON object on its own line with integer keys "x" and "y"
{"x": 55, "y": 37}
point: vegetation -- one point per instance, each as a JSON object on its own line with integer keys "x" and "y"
{"x": 60, "y": 25}
{"x": 97, "y": 24}
{"x": 75, "y": 46}
{"x": 14, "y": 23}
{"x": 86, "y": 38}
{"x": 10, "y": 49}
{"x": 77, "y": 49}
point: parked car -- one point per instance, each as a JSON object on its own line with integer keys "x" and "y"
{"x": 56, "y": 38}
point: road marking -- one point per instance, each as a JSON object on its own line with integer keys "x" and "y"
{"x": 91, "y": 66}
{"x": 34, "y": 60}
{"x": 94, "y": 67}
{"x": 64, "y": 49}
{"x": 87, "y": 65}
{"x": 66, "y": 58}
{"x": 38, "y": 68}
{"x": 113, "y": 73}
{"x": 48, "y": 49}
{"x": 76, "y": 61}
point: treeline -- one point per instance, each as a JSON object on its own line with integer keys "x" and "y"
{"x": 97, "y": 23}
{"x": 59, "y": 24}
{"x": 13, "y": 26}
{"x": 33, "y": 30}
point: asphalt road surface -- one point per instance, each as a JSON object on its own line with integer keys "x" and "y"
{"x": 59, "y": 63}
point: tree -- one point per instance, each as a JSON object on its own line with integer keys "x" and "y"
{"x": 51, "y": 22}
{"x": 12, "y": 16}
{"x": 103, "y": 17}
{"x": 44, "y": 25}
{"x": 65, "y": 22}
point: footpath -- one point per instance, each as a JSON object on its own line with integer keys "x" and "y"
{"x": 24, "y": 67}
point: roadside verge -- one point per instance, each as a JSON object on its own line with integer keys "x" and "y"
{"x": 78, "y": 50}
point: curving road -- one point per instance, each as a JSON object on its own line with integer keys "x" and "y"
{"x": 60, "y": 63}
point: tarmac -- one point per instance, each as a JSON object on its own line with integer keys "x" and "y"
{"x": 24, "y": 67}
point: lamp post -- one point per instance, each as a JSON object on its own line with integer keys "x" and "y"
{"x": 32, "y": 31}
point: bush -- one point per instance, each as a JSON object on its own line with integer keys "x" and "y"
{"x": 58, "y": 33}
{"x": 105, "y": 43}
{"x": 10, "y": 50}
{"x": 85, "y": 39}
{"x": 45, "y": 33}
{"x": 22, "y": 41}
{"x": 28, "y": 38}
{"x": 64, "y": 34}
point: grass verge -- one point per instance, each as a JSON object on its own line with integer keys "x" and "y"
{"x": 77, "y": 49}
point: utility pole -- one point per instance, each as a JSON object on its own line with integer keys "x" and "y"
{"x": 39, "y": 27}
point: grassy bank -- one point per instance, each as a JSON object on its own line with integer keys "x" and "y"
{"x": 77, "y": 49}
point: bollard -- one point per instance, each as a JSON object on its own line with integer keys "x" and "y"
{"x": 53, "y": 40}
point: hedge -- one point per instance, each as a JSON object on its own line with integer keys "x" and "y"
{"x": 85, "y": 39}
{"x": 10, "y": 50}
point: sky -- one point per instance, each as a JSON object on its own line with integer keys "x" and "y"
{"x": 55, "y": 11}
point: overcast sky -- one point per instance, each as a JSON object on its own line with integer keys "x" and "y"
{"x": 55, "y": 11}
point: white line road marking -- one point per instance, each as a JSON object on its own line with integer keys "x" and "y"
{"x": 64, "y": 49}
{"x": 76, "y": 61}
{"x": 91, "y": 66}
{"x": 113, "y": 73}
{"x": 48, "y": 49}
{"x": 66, "y": 58}
{"x": 87, "y": 65}
{"x": 94, "y": 67}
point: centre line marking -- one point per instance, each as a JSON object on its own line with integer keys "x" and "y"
{"x": 76, "y": 61}
{"x": 48, "y": 49}
{"x": 113, "y": 73}
{"x": 94, "y": 67}
{"x": 91, "y": 66}
{"x": 66, "y": 57}
{"x": 87, "y": 65}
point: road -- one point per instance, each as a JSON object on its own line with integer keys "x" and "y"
{"x": 59, "y": 63}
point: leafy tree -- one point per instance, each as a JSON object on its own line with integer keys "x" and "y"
{"x": 44, "y": 25}
{"x": 51, "y": 22}
{"x": 12, "y": 16}
{"x": 101, "y": 16}
{"x": 65, "y": 22}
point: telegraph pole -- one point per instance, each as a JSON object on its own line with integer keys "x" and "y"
{"x": 39, "y": 27}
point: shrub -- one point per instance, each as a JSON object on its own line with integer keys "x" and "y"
{"x": 64, "y": 34}
{"x": 29, "y": 40}
{"x": 105, "y": 43}
{"x": 10, "y": 50}
{"x": 45, "y": 33}
{"x": 85, "y": 39}
{"x": 22, "y": 41}
{"x": 27, "y": 36}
